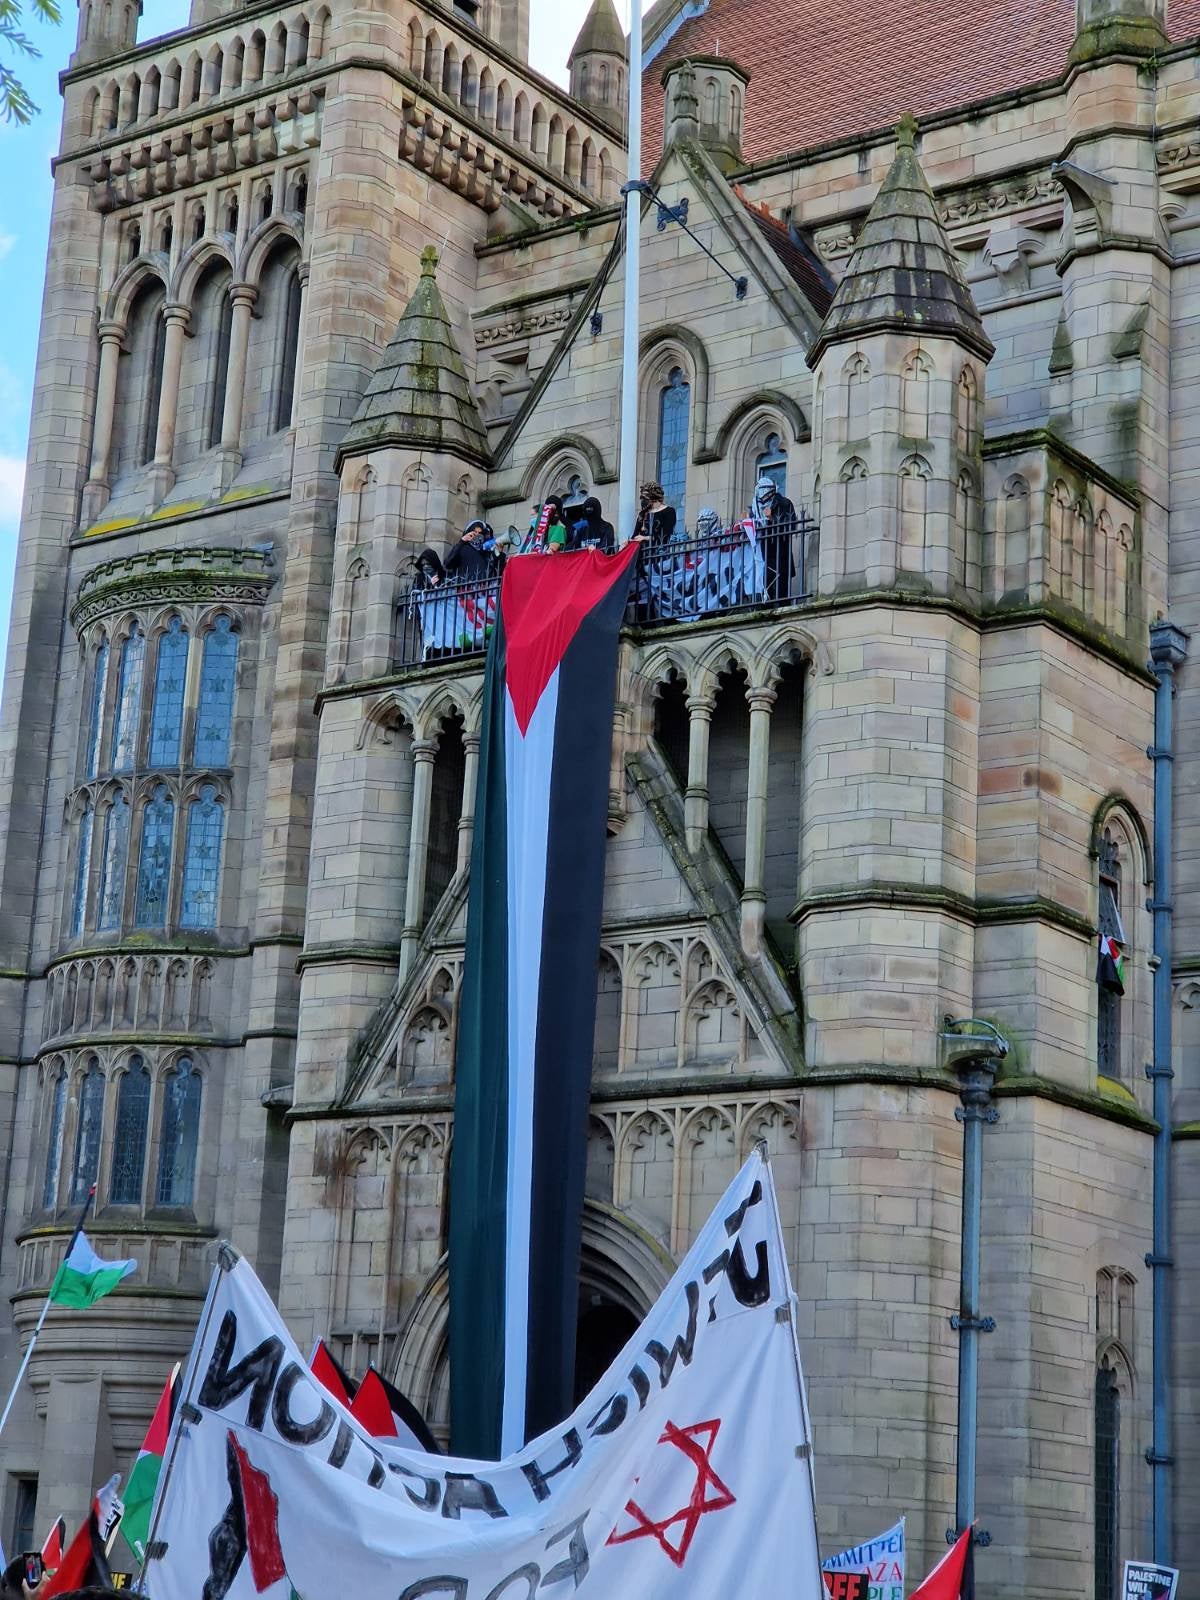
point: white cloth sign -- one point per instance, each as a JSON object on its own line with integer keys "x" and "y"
{"x": 881, "y": 1558}
{"x": 1146, "y": 1581}
{"x": 452, "y": 620}
{"x": 687, "y": 1471}
{"x": 689, "y": 581}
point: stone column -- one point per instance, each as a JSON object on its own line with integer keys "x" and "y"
{"x": 162, "y": 474}
{"x": 302, "y": 274}
{"x": 695, "y": 800}
{"x": 466, "y": 822}
{"x": 754, "y": 895}
{"x": 423, "y": 753}
{"x": 95, "y": 493}
{"x": 243, "y": 296}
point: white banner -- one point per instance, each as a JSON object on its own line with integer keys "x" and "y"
{"x": 686, "y": 581}
{"x": 881, "y": 1559}
{"x": 454, "y": 620}
{"x": 686, "y": 1472}
{"x": 1144, "y": 1580}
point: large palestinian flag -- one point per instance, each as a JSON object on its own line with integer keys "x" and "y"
{"x": 529, "y": 996}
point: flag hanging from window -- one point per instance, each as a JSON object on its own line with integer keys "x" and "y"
{"x": 524, "y": 1059}
{"x": 1110, "y": 971}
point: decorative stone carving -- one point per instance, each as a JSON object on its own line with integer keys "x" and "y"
{"x": 159, "y": 577}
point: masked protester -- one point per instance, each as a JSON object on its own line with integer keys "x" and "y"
{"x": 655, "y": 523}
{"x": 558, "y": 535}
{"x": 774, "y": 518}
{"x": 474, "y": 558}
{"x": 591, "y": 531}
{"x": 708, "y": 524}
{"x": 430, "y": 573}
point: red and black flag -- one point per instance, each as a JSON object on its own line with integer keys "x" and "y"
{"x": 55, "y": 1545}
{"x": 84, "y": 1563}
{"x": 331, "y": 1375}
{"x": 248, "y": 1529}
{"x": 387, "y": 1414}
{"x": 529, "y": 996}
{"x": 954, "y": 1576}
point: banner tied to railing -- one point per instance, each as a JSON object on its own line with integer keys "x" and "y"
{"x": 686, "y": 1471}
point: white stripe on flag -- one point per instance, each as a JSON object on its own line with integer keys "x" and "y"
{"x": 527, "y": 764}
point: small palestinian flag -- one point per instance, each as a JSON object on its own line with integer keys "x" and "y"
{"x": 331, "y": 1375}
{"x": 387, "y": 1414}
{"x": 143, "y": 1477}
{"x": 84, "y": 1278}
{"x": 248, "y": 1530}
{"x": 954, "y": 1576}
{"x": 1110, "y": 971}
{"x": 528, "y": 1009}
{"x": 55, "y": 1544}
{"x": 85, "y": 1563}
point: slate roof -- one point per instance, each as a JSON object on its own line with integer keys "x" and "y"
{"x": 796, "y": 254}
{"x": 903, "y": 271}
{"x": 821, "y": 72}
{"x": 418, "y": 395}
{"x": 601, "y": 32}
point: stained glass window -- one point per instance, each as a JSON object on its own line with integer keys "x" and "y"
{"x": 217, "y": 678}
{"x": 96, "y": 714}
{"x": 202, "y": 860}
{"x": 674, "y": 404}
{"x": 772, "y": 463}
{"x": 170, "y": 673}
{"x": 129, "y": 1141}
{"x": 54, "y": 1146}
{"x": 87, "y": 1135}
{"x": 83, "y": 868}
{"x": 129, "y": 701}
{"x": 116, "y": 855}
{"x": 154, "y": 863}
{"x": 1107, "y": 1484}
{"x": 180, "y": 1131}
{"x": 1108, "y": 1005}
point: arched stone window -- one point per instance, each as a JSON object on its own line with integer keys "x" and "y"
{"x": 202, "y": 860}
{"x": 1109, "y": 973}
{"x": 915, "y": 381}
{"x": 116, "y": 857}
{"x": 445, "y": 809}
{"x": 218, "y": 676}
{"x": 91, "y": 764}
{"x": 154, "y": 860}
{"x": 914, "y": 492}
{"x": 858, "y": 377}
{"x": 180, "y": 1134}
{"x": 127, "y": 712}
{"x": 85, "y": 1163}
{"x": 83, "y": 868}
{"x": 1107, "y": 1482}
{"x": 170, "y": 674}
{"x": 274, "y": 334}
{"x": 54, "y": 1142}
{"x": 771, "y": 462}
{"x": 1015, "y": 511}
{"x": 139, "y": 380}
{"x": 129, "y": 1137}
{"x": 967, "y": 412}
{"x": 674, "y": 410}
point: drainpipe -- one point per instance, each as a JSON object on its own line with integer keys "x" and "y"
{"x": 1168, "y": 648}
{"x": 973, "y": 1050}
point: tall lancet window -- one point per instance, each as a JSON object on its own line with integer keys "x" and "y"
{"x": 674, "y": 408}
{"x": 129, "y": 701}
{"x": 202, "y": 860}
{"x": 217, "y": 680}
{"x": 154, "y": 862}
{"x": 116, "y": 855}
{"x": 1107, "y": 1483}
{"x": 83, "y": 868}
{"x": 170, "y": 673}
{"x": 129, "y": 1140}
{"x": 96, "y": 710}
{"x": 87, "y": 1133}
{"x": 54, "y": 1145}
{"x": 1108, "y": 973}
{"x": 180, "y": 1133}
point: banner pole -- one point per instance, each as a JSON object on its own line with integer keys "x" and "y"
{"x": 33, "y": 1338}
{"x": 226, "y": 1260}
{"x": 630, "y": 338}
{"x": 804, "y": 1449}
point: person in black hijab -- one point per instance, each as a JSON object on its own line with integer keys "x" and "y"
{"x": 474, "y": 558}
{"x": 430, "y": 573}
{"x": 591, "y": 531}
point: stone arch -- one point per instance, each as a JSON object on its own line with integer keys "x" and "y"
{"x": 426, "y": 1052}
{"x": 256, "y": 56}
{"x": 277, "y": 50}
{"x": 196, "y": 260}
{"x": 416, "y": 46}
{"x": 193, "y": 76}
{"x": 235, "y": 60}
{"x": 786, "y": 643}
{"x": 606, "y": 1039}
{"x": 1116, "y": 804}
{"x": 916, "y": 378}
{"x": 383, "y": 718}
{"x": 764, "y": 406}
{"x": 128, "y": 284}
{"x": 214, "y": 68}
{"x": 566, "y": 452}
{"x": 318, "y": 42}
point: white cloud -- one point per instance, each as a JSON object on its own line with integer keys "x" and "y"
{"x": 12, "y": 487}
{"x": 7, "y": 240}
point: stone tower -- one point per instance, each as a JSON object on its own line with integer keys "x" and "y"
{"x": 598, "y": 63}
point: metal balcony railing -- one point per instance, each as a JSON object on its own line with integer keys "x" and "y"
{"x": 682, "y": 580}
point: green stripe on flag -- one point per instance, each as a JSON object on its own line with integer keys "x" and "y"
{"x": 139, "y": 1501}
{"x": 71, "y": 1288}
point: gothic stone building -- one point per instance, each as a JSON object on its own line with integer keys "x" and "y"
{"x": 912, "y": 784}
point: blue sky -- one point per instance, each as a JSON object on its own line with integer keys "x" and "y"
{"x": 25, "y": 192}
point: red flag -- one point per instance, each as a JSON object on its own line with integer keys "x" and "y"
{"x": 85, "y": 1565}
{"x": 948, "y": 1580}
{"x": 331, "y": 1375}
{"x": 261, "y": 1506}
{"x": 372, "y": 1407}
{"x": 52, "y": 1550}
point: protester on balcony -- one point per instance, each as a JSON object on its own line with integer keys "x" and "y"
{"x": 655, "y": 523}
{"x": 774, "y": 518}
{"x": 474, "y": 559}
{"x": 430, "y": 573}
{"x": 556, "y": 536}
{"x": 708, "y": 524}
{"x": 590, "y": 530}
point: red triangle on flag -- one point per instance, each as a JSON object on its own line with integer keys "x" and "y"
{"x": 261, "y": 1507}
{"x": 52, "y": 1550}
{"x": 945, "y": 1582}
{"x": 330, "y": 1374}
{"x": 373, "y": 1408}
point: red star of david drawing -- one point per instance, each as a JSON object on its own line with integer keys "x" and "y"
{"x": 688, "y": 1517}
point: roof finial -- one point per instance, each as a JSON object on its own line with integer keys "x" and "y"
{"x": 429, "y": 261}
{"x": 906, "y": 132}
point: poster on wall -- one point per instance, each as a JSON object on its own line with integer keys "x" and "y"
{"x": 881, "y": 1559}
{"x": 1144, "y": 1580}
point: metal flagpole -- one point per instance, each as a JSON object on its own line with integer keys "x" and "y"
{"x": 17, "y": 1381}
{"x": 627, "y": 485}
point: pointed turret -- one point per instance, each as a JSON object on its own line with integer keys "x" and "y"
{"x": 904, "y": 273}
{"x": 419, "y": 396}
{"x": 598, "y": 60}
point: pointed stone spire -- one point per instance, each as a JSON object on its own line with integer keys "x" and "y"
{"x": 903, "y": 273}
{"x": 601, "y": 34}
{"x": 419, "y": 396}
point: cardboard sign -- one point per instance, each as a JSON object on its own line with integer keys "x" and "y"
{"x": 846, "y": 1585}
{"x": 1146, "y": 1581}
